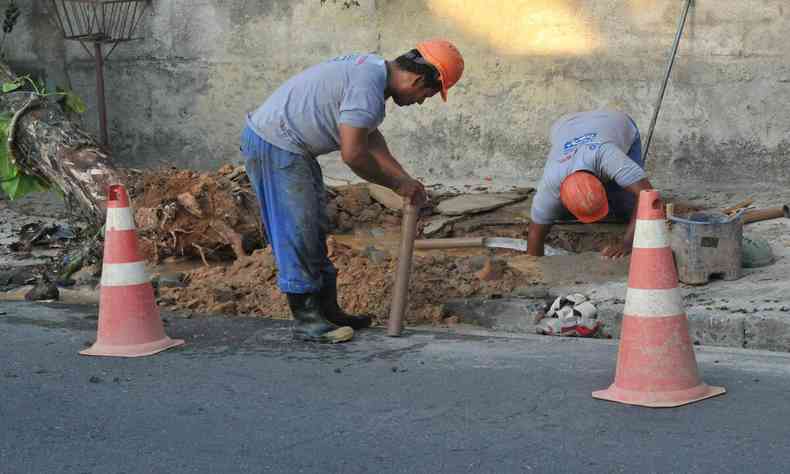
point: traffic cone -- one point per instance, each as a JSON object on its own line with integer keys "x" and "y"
{"x": 129, "y": 321}
{"x": 656, "y": 366}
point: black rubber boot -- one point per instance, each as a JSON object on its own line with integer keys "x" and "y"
{"x": 309, "y": 322}
{"x": 335, "y": 314}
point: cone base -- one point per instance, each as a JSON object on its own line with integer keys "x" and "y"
{"x": 659, "y": 399}
{"x": 135, "y": 350}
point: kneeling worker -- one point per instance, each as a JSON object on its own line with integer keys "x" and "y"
{"x": 594, "y": 169}
{"x": 336, "y": 105}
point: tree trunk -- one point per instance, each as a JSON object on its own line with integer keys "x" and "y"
{"x": 44, "y": 142}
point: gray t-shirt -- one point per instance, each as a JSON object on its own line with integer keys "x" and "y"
{"x": 304, "y": 115}
{"x": 586, "y": 141}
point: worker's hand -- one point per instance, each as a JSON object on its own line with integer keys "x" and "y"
{"x": 411, "y": 189}
{"x": 618, "y": 250}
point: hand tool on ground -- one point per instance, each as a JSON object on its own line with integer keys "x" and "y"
{"x": 741, "y": 205}
{"x": 758, "y": 215}
{"x": 400, "y": 293}
{"x": 472, "y": 242}
{"x": 681, "y": 25}
{"x": 483, "y": 242}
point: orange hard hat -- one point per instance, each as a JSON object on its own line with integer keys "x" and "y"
{"x": 446, "y": 58}
{"x": 583, "y": 194}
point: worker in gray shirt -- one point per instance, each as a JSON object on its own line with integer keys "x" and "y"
{"x": 335, "y": 105}
{"x": 594, "y": 169}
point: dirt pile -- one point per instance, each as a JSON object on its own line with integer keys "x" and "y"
{"x": 215, "y": 216}
{"x": 248, "y": 286}
{"x": 206, "y": 215}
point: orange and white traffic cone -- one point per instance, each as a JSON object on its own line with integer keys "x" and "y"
{"x": 656, "y": 366}
{"x": 129, "y": 321}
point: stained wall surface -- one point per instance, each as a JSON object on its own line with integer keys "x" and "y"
{"x": 178, "y": 97}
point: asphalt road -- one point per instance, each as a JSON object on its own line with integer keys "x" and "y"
{"x": 241, "y": 397}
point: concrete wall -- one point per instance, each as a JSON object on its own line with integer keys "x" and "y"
{"x": 179, "y": 96}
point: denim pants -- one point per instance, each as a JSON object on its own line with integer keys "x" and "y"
{"x": 292, "y": 199}
{"x": 622, "y": 202}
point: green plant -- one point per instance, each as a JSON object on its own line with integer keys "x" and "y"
{"x": 72, "y": 101}
{"x": 12, "y": 180}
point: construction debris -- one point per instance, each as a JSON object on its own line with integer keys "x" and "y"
{"x": 571, "y": 315}
{"x": 386, "y": 197}
{"x": 476, "y": 203}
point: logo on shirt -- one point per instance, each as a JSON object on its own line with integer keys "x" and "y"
{"x": 580, "y": 141}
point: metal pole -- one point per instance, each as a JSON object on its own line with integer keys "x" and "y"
{"x": 100, "y": 102}
{"x": 400, "y": 294}
{"x": 681, "y": 26}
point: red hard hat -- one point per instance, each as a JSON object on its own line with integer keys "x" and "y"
{"x": 583, "y": 194}
{"x": 446, "y": 58}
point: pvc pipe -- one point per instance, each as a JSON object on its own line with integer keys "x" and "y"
{"x": 766, "y": 214}
{"x": 400, "y": 293}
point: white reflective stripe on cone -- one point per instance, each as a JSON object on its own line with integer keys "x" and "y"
{"x": 653, "y": 303}
{"x": 650, "y": 234}
{"x": 124, "y": 274}
{"x": 119, "y": 218}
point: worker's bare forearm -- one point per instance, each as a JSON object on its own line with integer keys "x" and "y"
{"x": 378, "y": 148}
{"x": 536, "y": 238}
{"x": 369, "y": 158}
{"x": 636, "y": 189}
{"x": 368, "y": 169}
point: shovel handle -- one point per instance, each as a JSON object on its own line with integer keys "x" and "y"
{"x": 462, "y": 242}
{"x": 400, "y": 293}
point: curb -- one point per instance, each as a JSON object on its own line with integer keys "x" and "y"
{"x": 767, "y": 330}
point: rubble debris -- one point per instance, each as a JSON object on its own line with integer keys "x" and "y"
{"x": 385, "y": 196}
{"x": 476, "y": 203}
{"x": 43, "y": 290}
{"x": 571, "y": 315}
{"x": 15, "y": 277}
{"x": 37, "y": 234}
{"x": 435, "y": 225}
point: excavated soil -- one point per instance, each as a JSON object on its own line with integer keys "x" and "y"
{"x": 248, "y": 286}
{"x": 214, "y": 217}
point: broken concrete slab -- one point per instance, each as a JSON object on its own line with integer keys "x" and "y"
{"x": 437, "y": 224}
{"x": 476, "y": 203}
{"x": 386, "y": 197}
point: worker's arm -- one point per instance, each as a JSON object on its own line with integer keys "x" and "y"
{"x": 367, "y": 155}
{"x": 624, "y": 248}
{"x": 537, "y": 238}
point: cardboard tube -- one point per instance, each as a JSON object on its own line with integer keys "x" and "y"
{"x": 400, "y": 293}
{"x": 766, "y": 214}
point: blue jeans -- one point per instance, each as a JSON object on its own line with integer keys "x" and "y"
{"x": 292, "y": 199}
{"x": 622, "y": 202}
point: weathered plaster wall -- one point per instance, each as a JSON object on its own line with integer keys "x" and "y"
{"x": 179, "y": 96}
